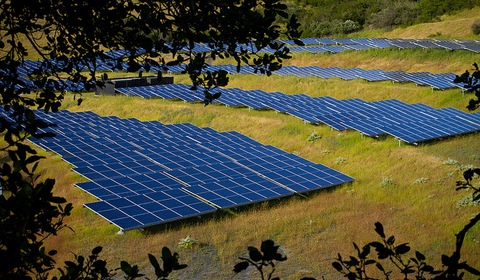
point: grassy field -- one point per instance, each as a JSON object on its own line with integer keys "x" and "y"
{"x": 410, "y": 189}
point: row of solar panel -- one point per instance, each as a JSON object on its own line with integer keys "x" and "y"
{"x": 435, "y": 81}
{"x": 336, "y": 45}
{"x": 412, "y": 123}
{"x": 148, "y": 173}
{"x": 312, "y": 45}
{"x": 366, "y": 43}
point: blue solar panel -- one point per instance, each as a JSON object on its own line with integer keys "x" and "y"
{"x": 170, "y": 172}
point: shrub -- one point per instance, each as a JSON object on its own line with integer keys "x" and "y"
{"x": 476, "y": 27}
{"x": 313, "y": 136}
{"x": 397, "y": 14}
{"x": 387, "y": 182}
{"x": 421, "y": 180}
{"x": 187, "y": 242}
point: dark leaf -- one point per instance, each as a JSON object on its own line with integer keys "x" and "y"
{"x": 379, "y": 229}
{"x": 365, "y": 251}
{"x": 126, "y": 268}
{"x": 217, "y": 95}
{"x": 298, "y": 42}
{"x": 419, "y": 256}
{"x": 240, "y": 266}
{"x": 353, "y": 261}
{"x": 254, "y": 254}
{"x": 156, "y": 265}
{"x": 337, "y": 266}
{"x": 470, "y": 269}
{"x": 402, "y": 249}
{"x": 391, "y": 240}
{"x": 428, "y": 268}
{"x": 60, "y": 200}
{"x": 407, "y": 270}
{"x": 380, "y": 267}
{"x": 445, "y": 260}
{"x": 468, "y": 174}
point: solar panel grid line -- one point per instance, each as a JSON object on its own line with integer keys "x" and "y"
{"x": 401, "y": 134}
{"x": 167, "y": 214}
{"x": 364, "y": 127}
{"x": 472, "y": 118}
{"x": 462, "y": 126}
{"x": 448, "y": 126}
{"x": 427, "y": 130}
{"x": 212, "y": 197}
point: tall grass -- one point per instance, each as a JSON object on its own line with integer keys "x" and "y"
{"x": 452, "y": 26}
{"x": 419, "y": 207}
{"x": 392, "y": 59}
{"x": 311, "y": 229}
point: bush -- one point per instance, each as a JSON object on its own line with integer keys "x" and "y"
{"x": 329, "y": 28}
{"x": 398, "y": 14}
{"x": 476, "y": 27}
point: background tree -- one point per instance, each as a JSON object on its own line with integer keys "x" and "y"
{"x": 69, "y": 39}
{"x": 316, "y": 16}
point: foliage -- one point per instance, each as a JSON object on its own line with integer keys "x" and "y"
{"x": 85, "y": 268}
{"x": 320, "y": 15}
{"x": 70, "y": 41}
{"x": 170, "y": 263}
{"x": 187, "y": 242}
{"x": 29, "y": 214}
{"x": 476, "y": 27}
{"x": 267, "y": 257}
{"x": 384, "y": 259}
{"x": 95, "y": 268}
{"x": 388, "y": 254}
{"x": 387, "y": 182}
{"x": 471, "y": 82}
{"x": 400, "y": 13}
{"x": 432, "y": 9}
{"x": 313, "y": 136}
{"x": 333, "y": 27}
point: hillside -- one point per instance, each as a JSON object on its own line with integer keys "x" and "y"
{"x": 410, "y": 189}
{"x": 456, "y": 26}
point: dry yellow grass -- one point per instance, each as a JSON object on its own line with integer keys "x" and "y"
{"x": 419, "y": 207}
{"x": 311, "y": 231}
{"x": 450, "y": 26}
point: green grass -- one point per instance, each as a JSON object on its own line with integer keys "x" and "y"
{"x": 314, "y": 229}
{"x": 410, "y": 189}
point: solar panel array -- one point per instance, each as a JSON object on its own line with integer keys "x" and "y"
{"x": 149, "y": 173}
{"x": 335, "y": 45}
{"x": 435, "y": 81}
{"x": 411, "y": 123}
{"x": 110, "y": 62}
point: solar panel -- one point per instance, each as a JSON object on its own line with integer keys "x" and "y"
{"x": 154, "y": 173}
